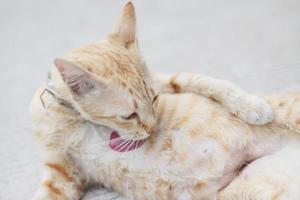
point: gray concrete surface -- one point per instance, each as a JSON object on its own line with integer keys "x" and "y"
{"x": 255, "y": 44}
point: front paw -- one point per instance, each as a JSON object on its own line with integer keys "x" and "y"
{"x": 254, "y": 110}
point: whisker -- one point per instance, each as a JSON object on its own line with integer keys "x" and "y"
{"x": 113, "y": 140}
{"x": 136, "y": 144}
{"x": 120, "y": 147}
{"x": 129, "y": 145}
{"x": 123, "y": 144}
{"x": 91, "y": 150}
{"x": 93, "y": 147}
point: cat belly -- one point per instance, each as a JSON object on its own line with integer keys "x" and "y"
{"x": 203, "y": 181}
{"x": 229, "y": 164}
{"x": 208, "y": 167}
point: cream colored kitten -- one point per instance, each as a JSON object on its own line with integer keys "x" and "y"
{"x": 101, "y": 122}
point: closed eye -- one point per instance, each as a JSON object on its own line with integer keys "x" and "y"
{"x": 131, "y": 116}
{"x": 154, "y": 99}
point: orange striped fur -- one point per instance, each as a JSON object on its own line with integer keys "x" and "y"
{"x": 61, "y": 170}
{"x": 196, "y": 143}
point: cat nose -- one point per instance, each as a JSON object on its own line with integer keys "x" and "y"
{"x": 148, "y": 129}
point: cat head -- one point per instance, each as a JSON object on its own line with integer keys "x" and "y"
{"x": 108, "y": 82}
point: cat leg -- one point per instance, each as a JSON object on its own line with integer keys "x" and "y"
{"x": 61, "y": 181}
{"x": 244, "y": 189}
{"x": 249, "y": 108}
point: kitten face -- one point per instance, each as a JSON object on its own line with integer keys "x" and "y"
{"x": 109, "y": 83}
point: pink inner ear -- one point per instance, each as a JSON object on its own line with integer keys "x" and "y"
{"x": 79, "y": 85}
{"x": 75, "y": 77}
{"x": 126, "y": 26}
{"x": 59, "y": 63}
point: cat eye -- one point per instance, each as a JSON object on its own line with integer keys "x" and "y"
{"x": 155, "y": 99}
{"x": 131, "y": 116}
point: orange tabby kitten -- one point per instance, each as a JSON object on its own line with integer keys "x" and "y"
{"x": 101, "y": 122}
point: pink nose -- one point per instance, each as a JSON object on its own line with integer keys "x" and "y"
{"x": 148, "y": 129}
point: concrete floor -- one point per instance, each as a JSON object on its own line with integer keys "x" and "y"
{"x": 255, "y": 44}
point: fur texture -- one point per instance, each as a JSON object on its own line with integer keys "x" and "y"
{"x": 194, "y": 147}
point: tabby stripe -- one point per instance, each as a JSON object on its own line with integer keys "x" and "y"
{"x": 291, "y": 107}
{"x": 61, "y": 170}
{"x": 167, "y": 144}
{"x": 298, "y": 121}
{"x": 194, "y": 131}
{"x": 278, "y": 195}
{"x": 189, "y": 111}
{"x": 176, "y": 88}
{"x": 147, "y": 90}
{"x": 200, "y": 185}
{"x": 161, "y": 108}
{"x": 173, "y": 110}
{"x": 52, "y": 188}
{"x": 135, "y": 104}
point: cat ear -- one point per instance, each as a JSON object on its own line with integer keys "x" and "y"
{"x": 79, "y": 80}
{"x": 126, "y": 27}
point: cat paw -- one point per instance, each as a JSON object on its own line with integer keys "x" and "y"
{"x": 254, "y": 110}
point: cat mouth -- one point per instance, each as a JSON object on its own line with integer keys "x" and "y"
{"x": 118, "y": 144}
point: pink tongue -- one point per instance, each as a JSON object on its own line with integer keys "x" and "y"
{"x": 120, "y": 145}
